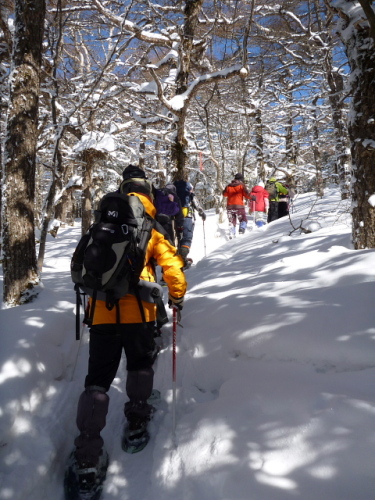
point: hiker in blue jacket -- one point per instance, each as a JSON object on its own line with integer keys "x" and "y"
{"x": 189, "y": 204}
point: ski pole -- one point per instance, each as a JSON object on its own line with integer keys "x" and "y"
{"x": 253, "y": 207}
{"x": 174, "y": 356}
{"x": 204, "y": 240}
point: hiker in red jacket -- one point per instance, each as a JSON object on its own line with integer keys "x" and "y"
{"x": 259, "y": 203}
{"x": 236, "y": 191}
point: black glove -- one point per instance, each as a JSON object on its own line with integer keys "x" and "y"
{"x": 202, "y": 214}
{"x": 173, "y": 301}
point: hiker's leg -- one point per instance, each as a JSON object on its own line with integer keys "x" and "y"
{"x": 260, "y": 218}
{"x": 282, "y": 209}
{"x": 140, "y": 349}
{"x": 91, "y": 419}
{"x": 273, "y": 211}
{"x": 105, "y": 354}
{"x": 187, "y": 236}
{"x": 242, "y": 218}
{"x": 232, "y": 217}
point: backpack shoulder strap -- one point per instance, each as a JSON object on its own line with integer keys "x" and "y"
{"x": 160, "y": 229}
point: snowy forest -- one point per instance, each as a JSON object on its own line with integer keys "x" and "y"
{"x": 267, "y": 387}
{"x": 194, "y": 90}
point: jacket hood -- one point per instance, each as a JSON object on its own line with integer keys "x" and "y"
{"x": 236, "y": 182}
{"x": 257, "y": 189}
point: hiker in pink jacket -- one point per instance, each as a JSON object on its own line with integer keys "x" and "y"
{"x": 259, "y": 203}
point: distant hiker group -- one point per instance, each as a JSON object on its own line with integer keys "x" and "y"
{"x": 266, "y": 202}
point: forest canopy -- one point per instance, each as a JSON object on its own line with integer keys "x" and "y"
{"x": 195, "y": 90}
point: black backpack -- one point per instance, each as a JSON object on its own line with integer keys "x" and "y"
{"x": 272, "y": 189}
{"x": 109, "y": 258}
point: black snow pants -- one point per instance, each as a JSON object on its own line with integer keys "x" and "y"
{"x": 106, "y": 345}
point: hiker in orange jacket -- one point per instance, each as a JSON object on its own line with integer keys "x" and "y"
{"x": 123, "y": 328}
{"x": 236, "y": 191}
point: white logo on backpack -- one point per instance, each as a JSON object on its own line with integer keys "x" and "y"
{"x": 112, "y": 213}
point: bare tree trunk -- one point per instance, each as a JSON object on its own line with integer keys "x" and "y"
{"x": 178, "y": 151}
{"x": 362, "y": 133}
{"x": 142, "y": 147}
{"x": 335, "y": 83}
{"x": 20, "y": 267}
{"x": 316, "y": 153}
{"x": 1, "y": 172}
{"x": 219, "y": 200}
{"x": 49, "y": 209}
{"x": 57, "y": 164}
{"x": 261, "y": 171}
{"x": 88, "y": 159}
{"x": 360, "y": 49}
{"x": 343, "y": 159}
{"x": 291, "y": 153}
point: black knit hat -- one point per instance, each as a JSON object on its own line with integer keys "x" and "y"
{"x": 133, "y": 172}
{"x": 239, "y": 177}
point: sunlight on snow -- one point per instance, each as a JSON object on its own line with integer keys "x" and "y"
{"x": 199, "y": 351}
{"x": 211, "y": 440}
{"x": 13, "y": 458}
{"x": 323, "y": 472}
{"x": 24, "y": 343}
{"x": 37, "y": 322}
{"x": 12, "y": 369}
{"x": 35, "y": 401}
{"x": 6, "y": 493}
{"x": 41, "y": 367}
{"x": 51, "y": 391}
{"x": 277, "y": 482}
{"x": 118, "y": 479}
{"x": 22, "y": 426}
{"x": 42, "y": 470}
{"x": 274, "y": 324}
{"x": 216, "y": 439}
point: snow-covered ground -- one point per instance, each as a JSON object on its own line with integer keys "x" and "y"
{"x": 275, "y": 373}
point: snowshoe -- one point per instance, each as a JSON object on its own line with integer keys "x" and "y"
{"x": 136, "y": 436}
{"x": 85, "y": 482}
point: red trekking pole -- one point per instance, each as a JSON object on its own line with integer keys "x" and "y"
{"x": 174, "y": 359}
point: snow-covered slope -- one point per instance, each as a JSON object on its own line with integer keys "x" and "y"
{"x": 275, "y": 373}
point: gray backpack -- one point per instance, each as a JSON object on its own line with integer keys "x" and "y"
{"x": 272, "y": 189}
